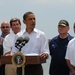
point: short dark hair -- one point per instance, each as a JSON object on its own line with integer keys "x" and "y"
{"x": 14, "y": 20}
{"x": 26, "y": 14}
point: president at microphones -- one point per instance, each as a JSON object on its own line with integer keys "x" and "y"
{"x": 34, "y": 42}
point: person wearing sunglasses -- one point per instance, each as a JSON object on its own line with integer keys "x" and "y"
{"x": 5, "y": 29}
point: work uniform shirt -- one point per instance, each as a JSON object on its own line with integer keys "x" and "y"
{"x": 58, "y": 64}
{"x": 70, "y": 54}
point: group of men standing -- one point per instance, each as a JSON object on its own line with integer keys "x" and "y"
{"x": 8, "y": 39}
{"x": 59, "y": 47}
{"x": 37, "y": 44}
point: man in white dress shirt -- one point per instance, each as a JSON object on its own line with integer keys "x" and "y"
{"x": 70, "y": 54}
{"x": 15, "y": 25}
{"x": 37, "y": 44}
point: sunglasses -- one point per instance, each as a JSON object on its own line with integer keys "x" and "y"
{"x": 5, "y": 27}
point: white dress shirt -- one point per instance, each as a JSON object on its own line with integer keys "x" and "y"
{"x": 37, "y": 43}
{"x": 8, "y": 42}
{"x": 70, "y": 54}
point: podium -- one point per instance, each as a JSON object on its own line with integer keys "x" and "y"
{"x": 29, "y": 60}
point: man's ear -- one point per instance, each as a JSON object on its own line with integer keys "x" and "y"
{"x": 24, "y": 21}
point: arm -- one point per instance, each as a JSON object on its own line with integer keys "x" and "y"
{"x": 69, "y": 58}
{"x": 44, "y": 47}
{"x": 70, "y": 67}
{"x": 7, "y": 45}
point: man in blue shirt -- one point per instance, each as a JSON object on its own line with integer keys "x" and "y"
{"x": 57, "y": 48}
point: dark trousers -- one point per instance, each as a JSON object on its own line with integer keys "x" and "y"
{"x": 2, "y": 70}
{"x": 31, "y": 70}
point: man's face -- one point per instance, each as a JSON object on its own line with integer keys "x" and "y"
{"x": 5, "y": 28}
{"x": 63, "y": 29}
{"x": 16, "y": 27}
{"x": 30, "y": 21}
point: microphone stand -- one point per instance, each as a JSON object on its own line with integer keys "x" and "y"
{"x": 20, "y": 70}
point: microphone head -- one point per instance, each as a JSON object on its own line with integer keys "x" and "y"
{"x": 26, "y": 39}
{"x": 20, "y": 39}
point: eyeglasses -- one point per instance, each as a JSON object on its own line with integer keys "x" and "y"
{"x": 5, "y": 27}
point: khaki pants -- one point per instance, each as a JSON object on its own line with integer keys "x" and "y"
{"x": 10, "y": 69}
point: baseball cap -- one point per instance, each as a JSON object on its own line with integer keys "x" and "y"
{"x": 63, "y": 23}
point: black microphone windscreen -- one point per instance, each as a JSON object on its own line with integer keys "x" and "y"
{"x": 18, "y": 42}
{"x": 20, "y": 39}
{"x": 26, "y": 39}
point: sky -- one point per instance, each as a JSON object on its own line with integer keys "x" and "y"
{"x": 48, "y": 13}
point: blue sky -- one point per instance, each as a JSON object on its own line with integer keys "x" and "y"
{"x": 48, "y": 13}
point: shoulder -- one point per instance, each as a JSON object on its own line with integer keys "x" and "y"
{"x": 40, "y": 34}
{"x": 70, "y": 37}
{"x": 72, "y": 41}
{"x": 10, "y": 36}
{"x": 20, "y": 33}
{"x": 54, "y": 38}
{"x": 7, "y": 36}
{"x": 39, "y": 31}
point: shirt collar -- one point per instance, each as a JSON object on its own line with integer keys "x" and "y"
{"x": 35, "y": 30}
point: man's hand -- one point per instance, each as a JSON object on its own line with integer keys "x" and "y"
{"x": 44, "y": 56}
{"x": 8, "y": 54}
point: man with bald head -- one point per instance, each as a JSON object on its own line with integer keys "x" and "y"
{"x": 5, "y": 29}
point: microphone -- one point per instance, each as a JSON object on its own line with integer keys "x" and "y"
{"x": 25, "y": 40}
{"x": 18, "y": 42}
